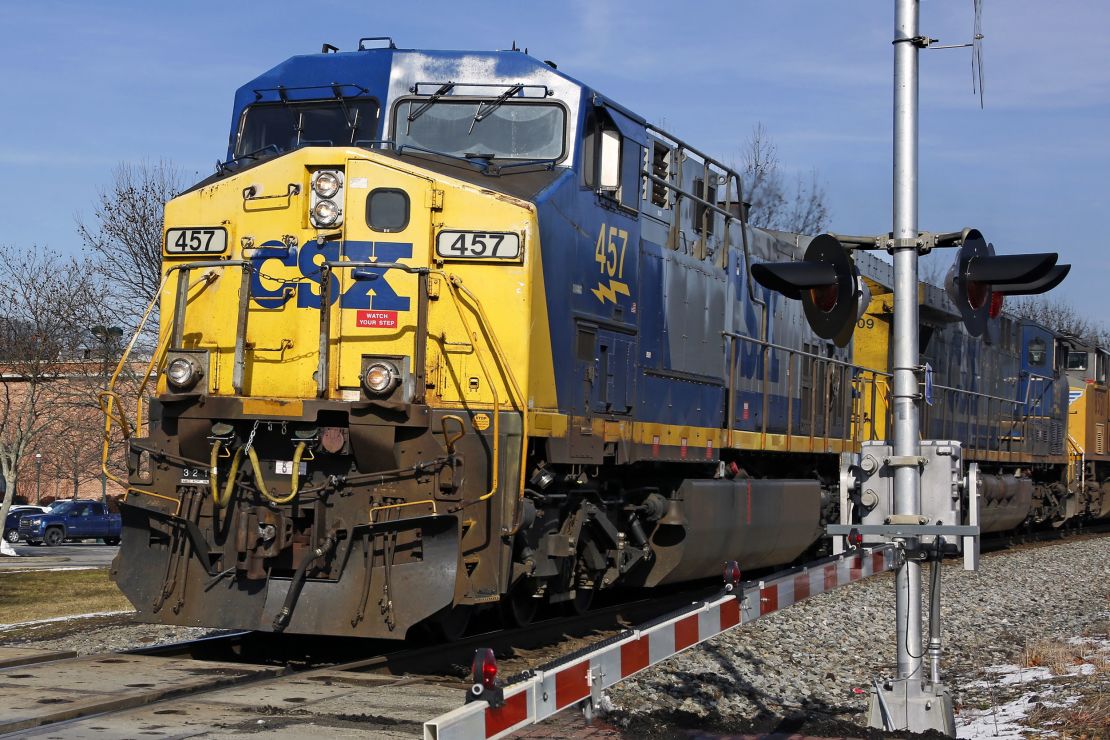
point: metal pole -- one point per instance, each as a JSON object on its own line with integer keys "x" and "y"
{"x": 905, "y": 431}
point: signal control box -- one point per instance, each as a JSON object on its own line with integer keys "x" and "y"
{"x": 949, "y": 500}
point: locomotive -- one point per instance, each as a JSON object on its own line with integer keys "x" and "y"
{"x": 454, "y": 330}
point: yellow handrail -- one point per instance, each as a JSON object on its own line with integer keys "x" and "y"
{"x": 401, "y": 505}
{"x": 108, "y": 400}
{"x": 456, "y": 284}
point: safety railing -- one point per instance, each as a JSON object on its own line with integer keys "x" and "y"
{"x": 458, "y": 292}
{"x": 1077, "y": 458}
{"x": 109, "y": 400}
{"x": 113, "y": 408}
{"x": 838, "y": 394}
{"x": 713, "y": 174}
{"x": 991, "y": 423}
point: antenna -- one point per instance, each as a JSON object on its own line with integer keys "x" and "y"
{"x": 977, "y": 51}
{"x": 976, "y": 45}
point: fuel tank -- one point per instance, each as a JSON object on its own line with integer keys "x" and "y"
{"x": 757, "y": 522}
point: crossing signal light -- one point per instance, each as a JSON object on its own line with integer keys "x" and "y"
{"x": 828, "y": 284}
{"x": 979, "y": 279}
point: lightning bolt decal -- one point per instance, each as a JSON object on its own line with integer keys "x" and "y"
{"x": 609, "y": 292}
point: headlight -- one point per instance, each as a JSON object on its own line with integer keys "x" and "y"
{"x": 380, "y": 378}
{"x": 326, "y": 184}
{"x": 182, "y": 373}
{"x": 325, "y": 213}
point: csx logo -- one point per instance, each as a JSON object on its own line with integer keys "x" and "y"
{"x": 308, "y": 259}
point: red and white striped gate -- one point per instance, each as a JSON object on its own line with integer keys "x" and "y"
{"x": 587, "y": 675}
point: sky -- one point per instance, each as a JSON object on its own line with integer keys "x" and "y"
{"x": 90, "y": 85}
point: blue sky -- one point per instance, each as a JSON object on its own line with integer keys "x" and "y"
{"x": 88, "y": 85}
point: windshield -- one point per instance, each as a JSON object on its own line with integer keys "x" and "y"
{"x": 507, "y": 131}
{"x": 314, "y": 123}
{"x": 61, "y": 507}
{"x": 1077, "y": 360}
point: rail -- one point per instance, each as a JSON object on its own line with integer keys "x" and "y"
{"x": 1078, "y": 452}
{"x": 457, "y": 291}
{"x": 109, "y": 400}
{"x": 993, "y": 423}
{"x": 113, "y": 408}
{"x": 842, "y": 380}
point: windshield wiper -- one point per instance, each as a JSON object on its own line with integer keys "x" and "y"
{"x": 443, "y": 90}
{"x": 222, "y": 167}
{"x": 484, "y": 109}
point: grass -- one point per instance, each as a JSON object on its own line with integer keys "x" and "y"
{"x": 1089, "y": 717}
{"x": 1058, "y": 656}
{"x": 59, "y": 593}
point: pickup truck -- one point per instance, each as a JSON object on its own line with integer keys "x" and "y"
{"x": 75, "y": 519}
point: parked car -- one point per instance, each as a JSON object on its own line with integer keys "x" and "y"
{"x": 11, "y": 523}
{"x": 74, "y": 519}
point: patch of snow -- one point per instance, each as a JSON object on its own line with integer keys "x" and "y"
{"x": 7, "y": 549}
{"x": 36, "y": 622}
{"x": 1004, "y": 721}
{"x": 46, "y": 569}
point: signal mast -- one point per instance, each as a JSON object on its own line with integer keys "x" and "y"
{"x": 916, "y": 509}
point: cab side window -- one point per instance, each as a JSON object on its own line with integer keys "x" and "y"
{"x": 1037, "y": 352}
{"x": 611, "y": 162}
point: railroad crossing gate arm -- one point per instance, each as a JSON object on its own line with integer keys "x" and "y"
{"x": 585, "y": 675}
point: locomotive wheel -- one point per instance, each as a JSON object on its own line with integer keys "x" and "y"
{"x": 451, "y": 623}
{"x": 583, "y": 599}
{"x": 519, "y": 606}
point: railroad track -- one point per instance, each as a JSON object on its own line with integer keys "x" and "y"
{"x": 232, "y": 681}
{"x": 223, "y": 679}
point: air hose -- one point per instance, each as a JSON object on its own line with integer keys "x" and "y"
{"x": 294, "y": 478}
{"x": 218, "y": 499}
{"x": 282, "y": 619}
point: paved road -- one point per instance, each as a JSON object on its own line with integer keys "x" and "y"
{"x": 68, "y": 555}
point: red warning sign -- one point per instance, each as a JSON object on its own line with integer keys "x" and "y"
{"x": 376, "y": 319}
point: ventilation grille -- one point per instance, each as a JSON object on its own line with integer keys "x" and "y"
{"x": 661, "y": 168}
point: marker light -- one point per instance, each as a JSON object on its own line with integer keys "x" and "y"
{"x": 855, "y": 538}
{"x": 484, "y": 668}
{"x": 732, "y": 574}
{"x": 325, "y": 213}
{"x": 182, "y": 373}
{"x": 326, "y": 184}
{"x": 379, "y": 378}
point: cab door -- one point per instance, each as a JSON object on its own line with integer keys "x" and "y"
{"x": 386, "y": 216}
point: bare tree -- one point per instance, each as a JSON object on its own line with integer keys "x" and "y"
{"x": 44, "y": 311}
{"x": 125, "y": 234}
{"x": 798, "y": 207}
{"x": 1059, "y": 315}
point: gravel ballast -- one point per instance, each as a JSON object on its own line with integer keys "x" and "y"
{"x": 810, "y": 666}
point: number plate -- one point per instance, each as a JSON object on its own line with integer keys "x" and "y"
{"x": 196, "y": 476}
{"x": 285, "y": 467}
{"x": 196, "y": 241}
{"x": 478, "y": 245}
